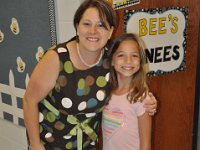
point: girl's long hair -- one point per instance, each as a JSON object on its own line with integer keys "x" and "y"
{"x": 138, "y": 87}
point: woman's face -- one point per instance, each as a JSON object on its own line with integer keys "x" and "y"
{"x": 92, "y": 35}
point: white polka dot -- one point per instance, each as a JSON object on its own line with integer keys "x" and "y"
{"x": 41, "y": 117}
{"x": 100, "y": 95}
{"x": 48, "y": 135}
{"x": 82, "y": 106}
{"x": 90, "y": 115}
{"x": 107, "y": 77}
{"x": 92, "y": 143}
{"x": 67, "y": 137}
{"x": 66, "y": 102}
{"x": 62, "y": 50}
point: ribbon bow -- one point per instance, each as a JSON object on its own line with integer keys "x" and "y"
{"x": 79, "y": 128}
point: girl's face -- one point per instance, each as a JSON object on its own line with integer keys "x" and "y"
{"x": 126, "y": 59}
{"x": 92, "y": 35}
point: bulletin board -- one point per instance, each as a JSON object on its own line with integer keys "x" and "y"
{"x": 27, "y": 30}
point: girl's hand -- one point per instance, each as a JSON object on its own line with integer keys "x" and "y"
{"x": 37, "y": 147}
{"x": 150, "y": 104}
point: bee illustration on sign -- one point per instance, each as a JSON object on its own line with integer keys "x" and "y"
{"x": 40, "y": 53}
{"x": 14, "y": 26}
{"x": 1, "y": 36}
{"x": 20, "y": 64}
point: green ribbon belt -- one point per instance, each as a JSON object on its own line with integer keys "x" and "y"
{"x": 79, "y": 128}
{"x": 50, "y": 107}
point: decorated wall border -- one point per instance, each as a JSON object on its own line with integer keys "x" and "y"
{"x": 52, "y": 21}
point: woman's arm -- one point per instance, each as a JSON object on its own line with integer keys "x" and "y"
{"x": 150, "y": 104}
{"x": 145, "y": 124}
{"x": 41, "y": 82}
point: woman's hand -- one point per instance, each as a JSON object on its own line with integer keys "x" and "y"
{"x": 150, "y": 104}
{"x": 37, "y": 147}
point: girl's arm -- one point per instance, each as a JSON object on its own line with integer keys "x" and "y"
{"x": 41, "y": 82}
{"x": 144, "y": 124}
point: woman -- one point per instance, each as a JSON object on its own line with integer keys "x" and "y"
{"x": 69, "y": 86}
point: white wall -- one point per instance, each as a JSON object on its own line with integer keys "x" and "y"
{"x": 13, "y": 137}
{"x": 65, "y": 10}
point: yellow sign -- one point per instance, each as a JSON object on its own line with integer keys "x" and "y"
{"x": 164, "y": 34}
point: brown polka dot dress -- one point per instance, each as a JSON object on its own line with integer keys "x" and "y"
{"x": 71, "y": 113}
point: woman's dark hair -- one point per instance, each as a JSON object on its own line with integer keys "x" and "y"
{"x": 106, "y": 12}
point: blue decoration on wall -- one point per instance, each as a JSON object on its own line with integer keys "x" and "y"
{"x": 27, "y": 30}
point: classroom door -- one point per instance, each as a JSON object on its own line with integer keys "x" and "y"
{"x": 173, "y": 124}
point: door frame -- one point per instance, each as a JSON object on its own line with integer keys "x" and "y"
{"x": 197, "y": 99}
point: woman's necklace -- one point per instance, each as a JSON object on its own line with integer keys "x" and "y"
{"x": 83, "y": 61}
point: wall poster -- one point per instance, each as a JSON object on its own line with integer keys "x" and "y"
{"x": 26, "y": 31}
{"x": 163, "y": 31}
{"x": 117, "y": 4}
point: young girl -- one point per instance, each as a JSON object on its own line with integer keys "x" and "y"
{"x": 126, "y": 125}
